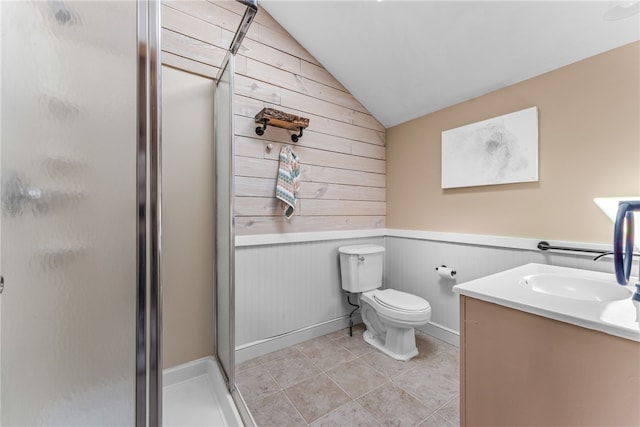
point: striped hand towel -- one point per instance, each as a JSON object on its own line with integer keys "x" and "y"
{"x": 288, "y": 182}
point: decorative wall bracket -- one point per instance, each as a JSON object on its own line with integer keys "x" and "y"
{"x": 271, "y": 117}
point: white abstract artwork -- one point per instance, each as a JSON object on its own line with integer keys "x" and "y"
{"x": 500, "y": 150}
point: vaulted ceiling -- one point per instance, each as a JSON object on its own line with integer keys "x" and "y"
{"x": 405, "y": 59}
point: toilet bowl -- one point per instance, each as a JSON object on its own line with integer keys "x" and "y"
{"x": 389, "y": 315}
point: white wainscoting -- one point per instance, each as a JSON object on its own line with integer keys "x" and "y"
{"x": 289, "y": 291}
{"x": 410, "y": 266}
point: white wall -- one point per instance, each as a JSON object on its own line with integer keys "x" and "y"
{"x": 187, "y": 216}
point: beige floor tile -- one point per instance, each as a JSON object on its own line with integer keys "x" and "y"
{"x": 344, "y": 332}
{"x": 284, "y": 353}
{"x": 357, "y": 329}
{"x": 358, "y": 386}
{"x": 355, "y": 344}
{"x": 392, "y": 406}
{"x": 248, "y": 364}
{"x": 350, "y": 414}
{"x": 451, "y": 411}
{"x": 432, "y": 389}
{"x": 313, "y": 344}
{"x": 356, "y": 377}
{"x": 316, "y": 397}
{"x": 445, "y": 364}
{"x": 436, "y": 420}
{"x": 428, "y": 346}
{"x": 255, "y": 383}
{"x": 292, "y": 369}
{"x": 384, "y": 364}
{"x": 450, "y": 361}
{"x": 425, "y": 341}
{"x": 325, "y": 353}
{"x": 275, "y": 410}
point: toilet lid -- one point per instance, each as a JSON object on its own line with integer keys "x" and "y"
{"x": 401, "y": 300}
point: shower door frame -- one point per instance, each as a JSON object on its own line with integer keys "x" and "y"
{"x": 228, "y": 65}
{"x": 228, "y": 372}
{"x": 149, "y": 224}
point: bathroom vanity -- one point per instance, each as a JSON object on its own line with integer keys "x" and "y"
{"x": 541, "y": 352}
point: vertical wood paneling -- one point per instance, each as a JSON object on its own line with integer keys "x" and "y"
{"x": 342, "y": 152}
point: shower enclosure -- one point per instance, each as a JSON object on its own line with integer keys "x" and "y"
{"x": 224, "y": 189}
{"x": 81, "y": 295}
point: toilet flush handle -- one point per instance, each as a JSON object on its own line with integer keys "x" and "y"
{"x": 361, "y": 258}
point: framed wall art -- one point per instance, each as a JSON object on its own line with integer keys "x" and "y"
{"x": 501, "y": 150}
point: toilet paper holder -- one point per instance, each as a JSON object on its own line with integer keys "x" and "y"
{"x": 444, "y": 271}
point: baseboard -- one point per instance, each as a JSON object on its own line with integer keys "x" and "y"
{"x": 186, "y": 371}
{"x": 442, "y": 333}
{"x": 268, "y": 345}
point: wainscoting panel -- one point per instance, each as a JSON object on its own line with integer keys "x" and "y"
{"x": 286, "y": 287}
{"x": 410, "y": 266}
{"x": 289, "y": 291}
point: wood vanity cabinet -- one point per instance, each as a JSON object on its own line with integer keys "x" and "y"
{"x": 517, "y": 368}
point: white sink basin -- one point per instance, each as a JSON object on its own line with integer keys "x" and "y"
{"x": 588, "y": 299}
{"x": 573, "y": 287}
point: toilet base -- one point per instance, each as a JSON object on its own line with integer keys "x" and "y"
{"x": 402, "y": 337}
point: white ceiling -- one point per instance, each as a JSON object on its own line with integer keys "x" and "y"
{"x": 405, "y": 59}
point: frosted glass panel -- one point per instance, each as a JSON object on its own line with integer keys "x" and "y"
{"x": 68, "y": 141}
{"x": 224, "y": 248}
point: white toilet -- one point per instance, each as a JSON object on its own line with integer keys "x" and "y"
{"x": 389, "y": 315}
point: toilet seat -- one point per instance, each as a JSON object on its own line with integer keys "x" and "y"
{"x": 401, "y": 301}
{"x": 398, "y": 306}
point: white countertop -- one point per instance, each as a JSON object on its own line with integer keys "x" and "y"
{"x": 612, "y": 317}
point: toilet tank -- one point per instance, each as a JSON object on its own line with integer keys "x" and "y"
{"x": 361, "y": 267}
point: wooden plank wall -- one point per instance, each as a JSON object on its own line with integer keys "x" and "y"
{"x": 342, "y": 152}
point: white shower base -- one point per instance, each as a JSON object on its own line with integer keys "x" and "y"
{"x": 194, "y": 394}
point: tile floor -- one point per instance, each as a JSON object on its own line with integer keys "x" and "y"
{"x": 337, "y": 380}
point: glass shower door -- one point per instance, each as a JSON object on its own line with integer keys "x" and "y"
{"x": 225, "y": 245}
{"x": 68, "y": 166}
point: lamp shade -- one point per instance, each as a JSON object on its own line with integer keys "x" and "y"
{"x": 609, "y": 205}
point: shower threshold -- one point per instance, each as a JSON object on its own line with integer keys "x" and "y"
{"x": 194, "y": 394}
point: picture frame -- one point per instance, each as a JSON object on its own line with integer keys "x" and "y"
{"x": 500, "y": 150}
